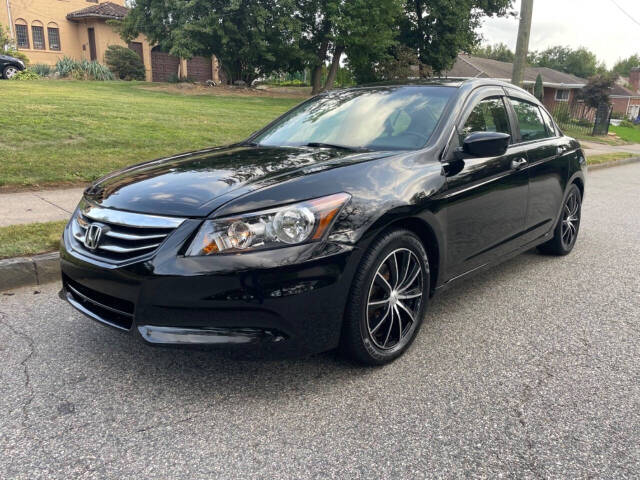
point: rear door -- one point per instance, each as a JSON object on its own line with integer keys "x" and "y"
{"x": 486, "y": 197}
{"x": 547, "y": 168}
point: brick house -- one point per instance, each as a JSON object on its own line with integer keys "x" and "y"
{"x": 559, "y": 87}
{"x": 626, "y": 99}
{"x": 47, "y": 30}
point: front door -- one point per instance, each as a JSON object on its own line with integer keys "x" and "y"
{"x": 486, "y": 200}
{"x": 92, "y": 44}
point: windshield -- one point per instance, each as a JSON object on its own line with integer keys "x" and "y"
{"x": 385, "y": 118}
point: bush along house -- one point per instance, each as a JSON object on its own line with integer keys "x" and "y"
{"x": 47, "y": 30}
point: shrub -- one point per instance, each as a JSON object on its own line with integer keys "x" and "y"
{"x": 26, "y": 75}
{"x": 41, "y": 69}
{"x": 83, "y": 70}
{"x": 124, "y": 62}
{"x": 173, "y": 78}
{"x": 627, "y": 124}
{"x": 64, "y": 66}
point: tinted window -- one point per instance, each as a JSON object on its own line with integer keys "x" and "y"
{"x": 375, "y": 118}
{"x": 530, "y": 121}
{"x": 548, "y": 122}
{"x": 489, "y": 115}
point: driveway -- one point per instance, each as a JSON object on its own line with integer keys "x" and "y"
{"x": 593, "y": 148}
{"x": 531, "y": 370}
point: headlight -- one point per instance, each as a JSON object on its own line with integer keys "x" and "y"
{"x": 293, "y": 224}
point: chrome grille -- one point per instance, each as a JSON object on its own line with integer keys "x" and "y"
{"x": 121, "y": 235}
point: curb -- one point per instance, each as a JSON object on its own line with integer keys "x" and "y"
{"x": 23, "y": 271}
{"x": 614, "y": 163}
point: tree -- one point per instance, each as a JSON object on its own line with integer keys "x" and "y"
{"x": 249, "y": 37}
{"x": 623, "y": 67}
{"x": 538, "y": 88}
{"x": 8, "y": 46}
{"x": 597, "y": 90}
{"x": 439, "y": 29}
{"x": 364, "y": 30}
{"x": 499, "y": 51}
{"x": 580, "y": 62}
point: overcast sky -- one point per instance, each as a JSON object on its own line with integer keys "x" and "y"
{"x": 595, "y": 24}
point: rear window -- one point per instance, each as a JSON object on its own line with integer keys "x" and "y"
{"x": 530, "y": 121}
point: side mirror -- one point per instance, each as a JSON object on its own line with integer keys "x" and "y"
{"x": 486, "y": 144}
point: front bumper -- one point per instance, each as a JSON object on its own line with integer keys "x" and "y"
{"x": 289, "y": 300}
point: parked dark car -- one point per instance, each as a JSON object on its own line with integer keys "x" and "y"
{"x": 10, "y": 66}
{"x": 332, "y": 226}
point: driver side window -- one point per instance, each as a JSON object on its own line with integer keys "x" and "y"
{"x": 490, "y": 115}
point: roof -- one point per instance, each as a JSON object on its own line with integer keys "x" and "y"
{"x": 467, "y": 66}
{"x": 106, "y": 10}
{"x": 620, "y": 91}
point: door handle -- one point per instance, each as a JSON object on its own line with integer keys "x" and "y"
{"x": 562, "y": 149}
{"x": 518, "y": 163}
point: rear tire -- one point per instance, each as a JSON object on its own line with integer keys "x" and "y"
{"x": 566, "y": 232}
{"x": 388, "y": 299}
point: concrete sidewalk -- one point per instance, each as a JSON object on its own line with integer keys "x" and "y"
{"x": 38, "y": 206}
{"x": 592, "y": 148}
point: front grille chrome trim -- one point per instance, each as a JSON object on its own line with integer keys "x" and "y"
{"x": 124, "y": 235}
{"x": 129, "y": 219}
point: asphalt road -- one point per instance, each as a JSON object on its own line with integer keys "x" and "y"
{"x": 531, "y": 370}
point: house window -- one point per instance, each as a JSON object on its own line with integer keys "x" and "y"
{"x": 22, "y": 36}
{"x": 37, "y": 33}
{"x": 562, "y": 95}
{"x": 54, "y": 38}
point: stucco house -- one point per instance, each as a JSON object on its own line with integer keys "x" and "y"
{"x": 559, "y": 87}
{"x": 47, "y": 30}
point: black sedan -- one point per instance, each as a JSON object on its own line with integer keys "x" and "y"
{"x": 331, "y": 227}
{"x": 10, "y": 66}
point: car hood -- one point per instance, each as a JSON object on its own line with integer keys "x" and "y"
{"x": 10, "y": 58}
{"x": 196, "y": 183}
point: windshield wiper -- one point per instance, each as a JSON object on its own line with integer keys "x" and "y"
{"x": 332, "y": 145}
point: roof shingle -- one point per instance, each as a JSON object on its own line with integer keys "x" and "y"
{"x": 467, "y": 66}
{"x": 107, "y": 10}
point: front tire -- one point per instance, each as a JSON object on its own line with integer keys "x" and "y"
{"x": 388, "y": 299}
{"x": 566, "y": 231}
{"x": 9, "y": 72}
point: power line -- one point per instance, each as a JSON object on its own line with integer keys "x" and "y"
{"x": 625, "y": 12}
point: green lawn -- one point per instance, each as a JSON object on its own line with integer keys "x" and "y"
{"x": 71, "y": 131}
{"x": 23, "y": 240}
{"x": 609, "y": 157}
{"x": 628, "y": 134}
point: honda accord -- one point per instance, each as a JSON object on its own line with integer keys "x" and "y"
{"x": 333, "y": 226}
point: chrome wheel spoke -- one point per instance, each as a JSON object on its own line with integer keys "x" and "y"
{"x": 384, "y": 317}
{"x": 412, "y": 279}
{"x": 386, "y": 339}
{"x": 384, "y": 281}
{"x": 395, "y": 307}
{"x": 395, "y": 296}
{"x": 406, "y": 309}
{"x": 409, "y": 296}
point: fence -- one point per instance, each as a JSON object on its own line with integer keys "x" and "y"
{"x": 579, "y": 118}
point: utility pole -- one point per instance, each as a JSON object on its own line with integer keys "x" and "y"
{"x": 522, "y": 47}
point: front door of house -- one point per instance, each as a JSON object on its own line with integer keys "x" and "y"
{"x": 92, "y": 44}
